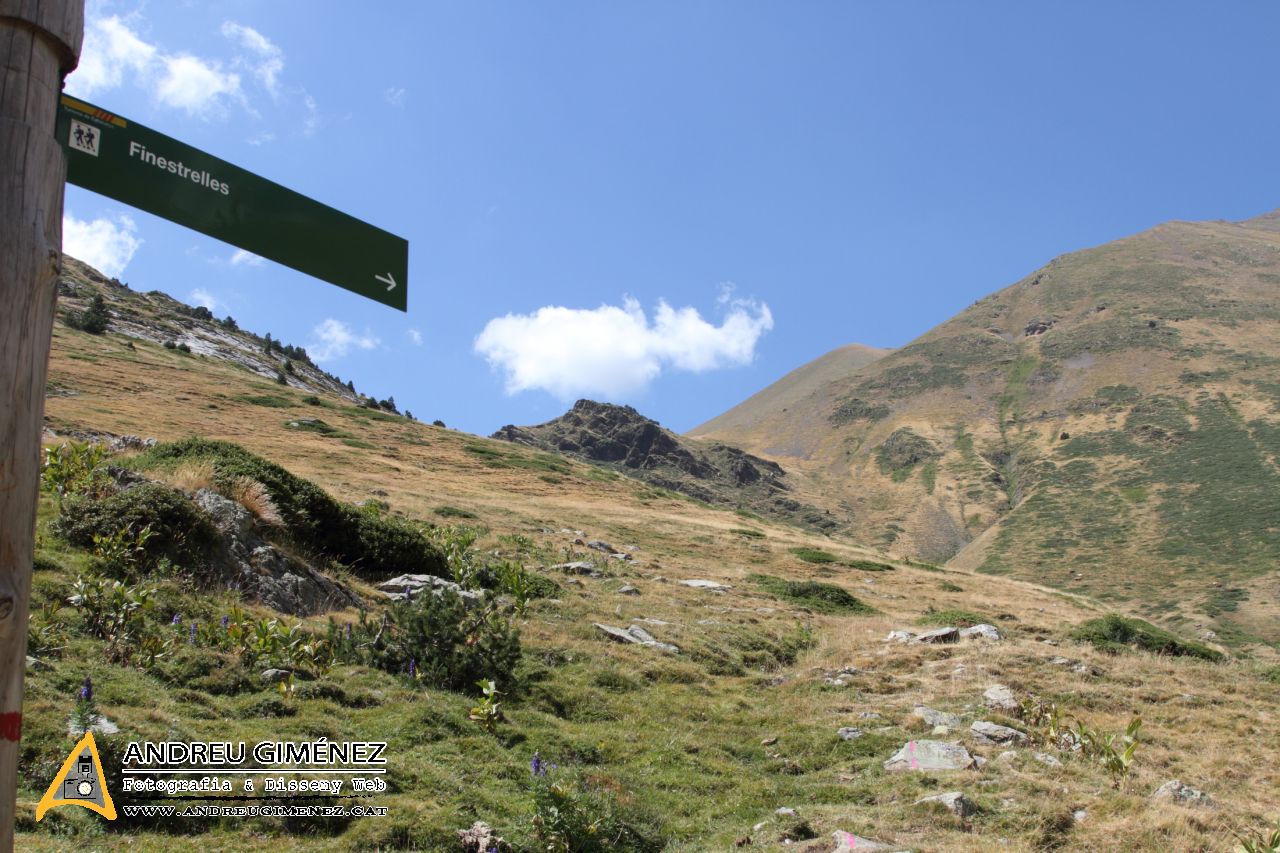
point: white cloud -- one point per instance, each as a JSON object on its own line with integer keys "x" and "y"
{"x": 261, "y": 138}
{"x": 244, "y": 258}
{"x": 196, "y": 85}
{"x": 311, "y": 123}
{"x": 613, "y": 351}
{"x": 110, "y": 49}
{"x": 106, "y": 244}
{"x": 416, "y": 337}
{"x": 335, "y": 339}
{"x": 204, "y": 299}
{"x": 267, "y": 60}
{"x": 395, "y": 96}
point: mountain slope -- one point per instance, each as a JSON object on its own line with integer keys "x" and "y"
{"x": 763, "y": 413}
{"x": 783, "y": 693}
{"x": 1109, "y": 424}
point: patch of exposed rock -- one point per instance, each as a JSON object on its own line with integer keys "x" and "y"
{"x": 263, "y": 572}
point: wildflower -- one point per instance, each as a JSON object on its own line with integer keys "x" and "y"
{"x": 193, "y": 632}
{"x": 413, "y": 667}
{"x": 226, "y": 620}
{"x": 86, "y": 692}
{"x": 177, "y": 619}
{"x": 348, "y": 632}
{"x": 537, "y": 766}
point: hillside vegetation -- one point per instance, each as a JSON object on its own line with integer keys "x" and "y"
{"x": 763, "y": 721}
{"x": 1108, "y": 425}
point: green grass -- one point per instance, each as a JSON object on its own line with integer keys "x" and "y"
{"x": 953, "y": 619}
{"x": 454, "y": 512}
{"x": 501, "y": 457}
{"x": 270, "y": 401}
{"x": 867, "y": 565}
{"x": 815, "y": 555}
{"x": 748, "y": 532}
{"x": 1114, "y": 633}
{"x": 820, "y": 597}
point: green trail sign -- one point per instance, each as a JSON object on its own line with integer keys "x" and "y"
{"x": 158, "y": 174}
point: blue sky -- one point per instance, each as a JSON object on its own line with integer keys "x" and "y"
{"x": 672, "y": 204}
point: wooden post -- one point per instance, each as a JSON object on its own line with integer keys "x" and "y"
{"x": 39, "y": 45}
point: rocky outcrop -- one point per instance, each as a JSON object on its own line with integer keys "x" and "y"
{"x": 621, "y": 438}
{"x": 261, "y": 571}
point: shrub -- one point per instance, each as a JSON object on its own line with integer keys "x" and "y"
{"x": 74, "y": 468}
{"x": 436, "y": 639}
{"x": 1114, "y": 633}
{"x": 373, "y": 547}
{"x": 822, "y": 597}
{"x": 814, "y": 555}
{"x": 94, "y": 319}
{"x": 179, "y": 531}
{"x": 571, "y": 815}
{"x": 953, "y": 618}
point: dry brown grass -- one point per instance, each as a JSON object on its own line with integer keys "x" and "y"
{"x": 1212, "y": 726}
{"x": 253, "y": 496}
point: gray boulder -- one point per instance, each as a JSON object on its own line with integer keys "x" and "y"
{"x": 714, "y": 586}
{"x": 849, "y": 732}
{"x": 1001, "y": 698}
{"x": 403, "y": 587}
{"x": 847, "y": 842}
{"x": 636, "y": 636}
{"x": 936, "y": 718}
{"x": 929, "y": 755}
{"x": 953, "y": 801}
{"x": 980, "y": 632}
{"x": 939, "y": 635}
{"x": 985, "y": 732}
{"x": 264, "y": 573}
{"x": 1184, "y": 795}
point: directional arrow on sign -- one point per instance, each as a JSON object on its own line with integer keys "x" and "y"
{"x": 389, "y": 280}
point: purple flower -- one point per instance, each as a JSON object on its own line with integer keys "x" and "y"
{"x": 537, "y": 766}
{"x": 348, "y": 632}
{"x": 86, "y": 692}
{"x": 226, "y": 620}
{"x": 413, "y": 667}
{"x": 193, "y": 632}
{"x": 177, "y": 619}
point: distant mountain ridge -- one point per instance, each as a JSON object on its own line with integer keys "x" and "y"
{"x": 623, "y": 439}
{"x": 1108, "y": 424}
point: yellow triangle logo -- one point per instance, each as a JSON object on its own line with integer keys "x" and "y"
{"x": 79, "y": 783}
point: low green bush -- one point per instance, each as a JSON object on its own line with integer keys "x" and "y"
{"x": 179, "y": 530}
{"x": 1114, "y": 633}
{"x": 574, "y": 816}
{"x": 814, "y": 555}
{"x": 372, "y": 546}
{"x": 822, "y": 597}
{"x": 953, "y": 618}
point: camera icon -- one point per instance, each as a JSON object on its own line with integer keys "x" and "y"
{"x": 82, "y": 788}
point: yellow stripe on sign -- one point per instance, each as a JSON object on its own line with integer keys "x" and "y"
{"x": 94, "y": 112}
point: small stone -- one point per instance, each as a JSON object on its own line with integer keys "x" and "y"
{"x": 275, "y": 676}
{"x": 1185, "y": 795}
{"x": 986, "y": 732}
{"x": 759, "y": 826}
{"x": 1060, "y": 661}
{"x": 940, "y": 731}
{"x": 847, "y": 842}
{"x": 1047, "y": 759}
{"x": 1080, "y": 815}
{"x": 899, "y": 637}
{"x": 1007, "y": 756}
{"x": 628, "y": 589}
{"x": 953, "y": 801}
{"x": 605, "y": 547}
{"x": 936, "y": 718}
{"x": 785, "y": 811}
{"x": 713, "y": 586}
{"x": 1001, "y": 698}
{"x": 769, "y": 741}
{"x": 939, "y": 636}
{"x": 849, "y": 733}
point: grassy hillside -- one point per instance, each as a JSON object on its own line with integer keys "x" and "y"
{"x": 1107, "y": 425}
{"x": 783, "y": 694}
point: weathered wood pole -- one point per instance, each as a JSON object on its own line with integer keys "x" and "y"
{"x": 39, "y": 45}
